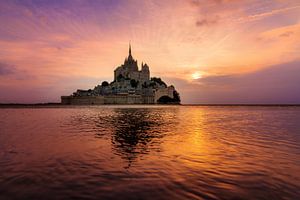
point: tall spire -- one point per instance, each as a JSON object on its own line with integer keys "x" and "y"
{"x": 129, "y": 49}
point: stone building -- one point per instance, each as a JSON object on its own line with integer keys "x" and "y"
{"x": 130, "y": 86}
{"x": 130, "y": 70}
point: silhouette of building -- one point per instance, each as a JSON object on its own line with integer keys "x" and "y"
{"x": 130, "y": 70}
{"x": 130, "y": 86}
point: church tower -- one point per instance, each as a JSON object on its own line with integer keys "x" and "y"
{"x": 130, "y": 69}
{"x": 130, "y": 58}
{"x": 130, "y": 64}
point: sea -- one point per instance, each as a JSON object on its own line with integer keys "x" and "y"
{"x": 150, "y": 152}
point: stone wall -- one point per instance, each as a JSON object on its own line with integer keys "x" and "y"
{"x": 164, "y": 92}
{"x": 86, "y": 100}
{"x": 148, "y": 99}
{"x": 109, "y": 99}
{"x": 123, "y": 99}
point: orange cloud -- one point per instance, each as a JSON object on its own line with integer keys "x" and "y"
{"x": 55, "y": 43}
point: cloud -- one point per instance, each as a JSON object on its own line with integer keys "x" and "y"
{"x": 6, "y": 69}
{"x": 45, "y": 40}
{"x": 200, "y": 3}
{"x": 278, "y": 84}
{"x": 207, "y": 21}
{"x": 37, "y": 91}
{"x": 262, "y": 15}
{"x": 286, "y": 34}
{"x": 275, "y": 84}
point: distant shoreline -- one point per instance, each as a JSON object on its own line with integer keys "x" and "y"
{"x": 51, "y": 105}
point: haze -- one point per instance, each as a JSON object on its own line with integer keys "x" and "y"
{"x": 213, "y": 51}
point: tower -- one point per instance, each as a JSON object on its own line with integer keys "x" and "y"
{"x": 145, "y": 72}
{"x": 130, "y": 58}
{"x": 130, "y": 64}
{"x": 129, "y": 49}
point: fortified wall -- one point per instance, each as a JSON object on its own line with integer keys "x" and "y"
{"x": 110, "y": 99}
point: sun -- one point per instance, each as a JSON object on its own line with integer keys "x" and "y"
{"x": 196, "y": 75}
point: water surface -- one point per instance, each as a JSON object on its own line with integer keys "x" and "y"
{"x": 150, "y": 152}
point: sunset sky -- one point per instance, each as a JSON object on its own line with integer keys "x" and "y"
{"x": 213, "y": 51}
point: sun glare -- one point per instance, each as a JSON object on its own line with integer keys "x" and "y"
{"x": 196, "y": 75}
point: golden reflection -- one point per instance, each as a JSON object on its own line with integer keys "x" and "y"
{"x": 183, "y": 152}
{"x": 192, "y": 138}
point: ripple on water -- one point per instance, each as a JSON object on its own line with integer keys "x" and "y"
{"x": 146, "y": 152}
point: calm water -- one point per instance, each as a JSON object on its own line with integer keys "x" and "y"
{"x": 154, "y": 152}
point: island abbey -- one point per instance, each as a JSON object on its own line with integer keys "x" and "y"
{"x": 130, "y": 86}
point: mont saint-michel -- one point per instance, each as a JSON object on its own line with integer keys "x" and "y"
{"x": 130, "y": 86}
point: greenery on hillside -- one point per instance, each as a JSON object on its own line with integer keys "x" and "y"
{"x": 158, "y": 81}
{"x": 104, "y": 84}
{"x": 134, "y": 83}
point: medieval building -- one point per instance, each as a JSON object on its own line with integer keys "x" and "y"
{"x": 130, "y": 86}
{"x": 130, "y": 70}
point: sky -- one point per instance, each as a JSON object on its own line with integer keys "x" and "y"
{"x": 212, "y": 51}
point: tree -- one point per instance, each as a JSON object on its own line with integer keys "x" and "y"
{"x": 165, "y": 100}
{"x": 134, "y": 83}
{"x": 120, "y": 77}
{"x": 152, "y": 84}
{"x": 144, "y": 85}
{"x": 104, "y": 84}
{"x": 159, "y": 81}
{"x": 176, "y": 96}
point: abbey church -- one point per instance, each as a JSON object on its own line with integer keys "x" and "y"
{"x": 130, "y": 70}
{"x": 130, "y": 86}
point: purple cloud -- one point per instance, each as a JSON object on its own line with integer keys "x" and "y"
{"x": 278, "y": 84}
{"x": 6, "y": 69}
{"x": 275, "y": 84}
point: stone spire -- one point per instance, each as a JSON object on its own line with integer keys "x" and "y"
{"x": 130, "y": 58}
{"x": 129, "y": 49}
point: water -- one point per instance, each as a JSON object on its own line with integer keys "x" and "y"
{"x": 150, "y": 152}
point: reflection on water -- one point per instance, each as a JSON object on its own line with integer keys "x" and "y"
{"x": 146, "y": 152}
{"x": 134, "y": 131}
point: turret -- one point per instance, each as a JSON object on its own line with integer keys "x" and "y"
{"x": 145, "y": 72}
{"x": 145, "y": 67}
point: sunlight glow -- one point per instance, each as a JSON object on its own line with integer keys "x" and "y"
{"x": 196, "y": 75}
